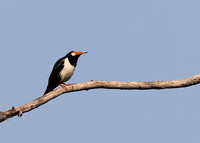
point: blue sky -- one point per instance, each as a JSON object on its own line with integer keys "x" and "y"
{"x": 129, "y": 40}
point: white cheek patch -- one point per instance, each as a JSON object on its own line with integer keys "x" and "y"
{"x": 73, "y": 54}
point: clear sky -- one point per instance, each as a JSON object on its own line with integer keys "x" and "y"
{"x": 126, "y": 40}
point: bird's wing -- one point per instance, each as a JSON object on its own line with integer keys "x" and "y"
{"x": 56, "y": 70}
{"x": 58, "y": 65}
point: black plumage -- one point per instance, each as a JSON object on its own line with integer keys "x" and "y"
{"x": 60, "y": 73}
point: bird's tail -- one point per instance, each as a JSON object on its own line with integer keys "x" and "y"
{"x": 50, "y": 88}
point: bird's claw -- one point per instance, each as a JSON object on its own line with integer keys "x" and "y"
{"x": 68, "y": 84}
{"x": 63, "y": 85}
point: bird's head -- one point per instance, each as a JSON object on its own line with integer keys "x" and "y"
{"x": 73, "y": 56}
{"x": 76, "y": 53}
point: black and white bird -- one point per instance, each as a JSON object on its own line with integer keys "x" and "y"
{"x": 63, "y": 70}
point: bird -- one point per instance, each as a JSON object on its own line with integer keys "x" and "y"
{"x": 63, "y": 70}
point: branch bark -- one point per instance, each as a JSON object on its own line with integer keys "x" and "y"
{"x": 98, "y": 84}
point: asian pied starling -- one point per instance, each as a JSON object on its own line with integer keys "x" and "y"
{"x": 63, "y": 70}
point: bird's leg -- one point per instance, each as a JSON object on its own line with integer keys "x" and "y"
{"x": 67, "y": 84}
{"x": 63, "y": 86}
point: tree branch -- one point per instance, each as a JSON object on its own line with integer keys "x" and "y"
{"x": 98, "y": 84}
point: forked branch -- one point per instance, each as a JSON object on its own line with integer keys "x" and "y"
{"x": 98, "y": 84}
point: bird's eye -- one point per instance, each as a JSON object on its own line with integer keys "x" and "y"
{"x": 73, "y": 54}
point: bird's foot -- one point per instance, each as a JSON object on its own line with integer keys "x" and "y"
{"x": 68, "y": 84}
{"x": 63, "y": 85}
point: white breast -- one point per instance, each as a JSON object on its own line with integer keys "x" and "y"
{"x": 67, "y": 72}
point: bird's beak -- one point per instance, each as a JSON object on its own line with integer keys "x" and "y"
{"x": 80, "y": 53}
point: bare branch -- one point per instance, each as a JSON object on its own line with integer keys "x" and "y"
{"x": 98, "y": 84}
